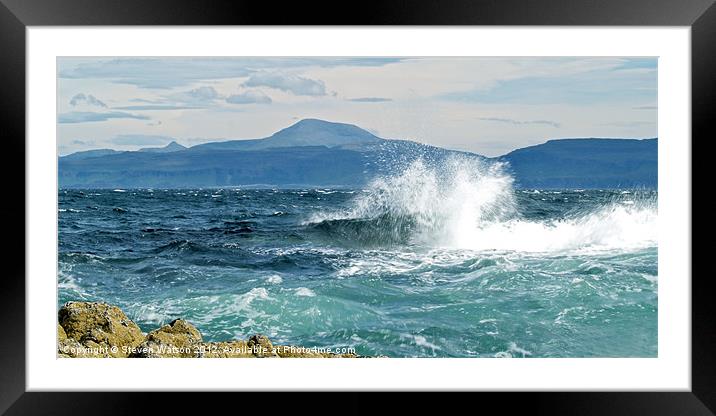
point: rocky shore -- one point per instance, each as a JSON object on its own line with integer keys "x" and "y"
{"x": 93, "y": 330}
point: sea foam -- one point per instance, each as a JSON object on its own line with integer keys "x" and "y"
{"x": 466, "y": 203}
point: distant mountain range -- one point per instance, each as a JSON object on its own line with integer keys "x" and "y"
{"x": 171, "y": 147}
{"x": 586, "y": 163}
{"x": 321, "y": 153}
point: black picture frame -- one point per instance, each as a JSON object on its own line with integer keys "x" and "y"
{"x": 16, "y": 15}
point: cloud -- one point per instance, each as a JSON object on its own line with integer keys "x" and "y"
{"x": 249, "y": 97}
{"x": 640, "y": 63}
{"x": 195, "y": 99}
{"x": 83, "y": 142}
{"x": 144, "y": 100}
{"x": 203, "y": 93}
{"x": 198, "y": 96}
{"x": 519, "y": 122}
{"x": 156, "y": 107}
{"x": 629, "y": 124}
{"x": 646, "y": 107}
{"x": 289, "y": 83}
{"x": 370, "y": 100}
{"x": 88, "y": 117}
{"x": 162, "y": 73}
{"x": 140, "y": 140}
{"x": 154, "y": 73}
{"x": 555, "y": 81}
{"x": 90, "y": 99}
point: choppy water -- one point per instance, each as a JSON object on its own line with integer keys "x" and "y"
{"x": 434, "y": 262}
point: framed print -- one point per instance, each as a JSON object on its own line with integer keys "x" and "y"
{"x": 429, "y": 198}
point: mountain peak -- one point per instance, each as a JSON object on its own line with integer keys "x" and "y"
{"x": 314, "y": 121}
{"x": 315, "y": 132}
{"x": 171, "y": 147}
{"x": 318, "y": 123}
{"x": 174, "y": 146}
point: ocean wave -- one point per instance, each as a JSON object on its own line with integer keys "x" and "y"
{"x": 305, "y": 292}
{"x": 471, "y": 204}
{"x": 274, "y": 279}
{"x": 513, "y": 351}
{"x": 68, "y": 283}
{"x": 79, "y": 257}
{"x": 380, "y": 231}
{"x": 181, "y": 246}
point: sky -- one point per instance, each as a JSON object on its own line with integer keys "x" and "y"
{"x": 486, "y": 105}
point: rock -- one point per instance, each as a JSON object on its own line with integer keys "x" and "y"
{"x": 61, "y": 334}
{"x": 92, "y": 329}
{"x": 261, "y": 346}
{"x": 64, "y": 345}
{"x": 103, "y": 330}
{"x": 178, "y": 339}
{"x": 70, "y": 348}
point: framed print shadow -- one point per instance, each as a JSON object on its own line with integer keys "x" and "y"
{"x": 401, "y": 198}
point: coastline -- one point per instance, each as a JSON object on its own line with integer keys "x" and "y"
{"x": 100, "y": 330}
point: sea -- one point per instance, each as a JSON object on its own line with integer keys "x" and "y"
{"x": 432, "y": 261}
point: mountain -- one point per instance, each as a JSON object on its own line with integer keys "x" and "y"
{"x": 321, "y": 153}
{"x": 89, "y": 154}
{"x": 307, "y": 132}
{"x": 308, "y": 153}
{"x": 171, "y": 147}
{"x": 586, "y": 163}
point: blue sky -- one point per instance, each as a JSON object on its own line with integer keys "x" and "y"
{"x": 487, "y": 105}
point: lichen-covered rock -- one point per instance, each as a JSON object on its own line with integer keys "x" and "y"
{"x": 261, "y": 346}
{"x": 70, "y": 348}
{"x": 178, "y": 339}
{"x": 91, "y": 329}
{"x": 61, "y": 334}
{"x": 102, "y": 330}
{"x": 63, "y": 343}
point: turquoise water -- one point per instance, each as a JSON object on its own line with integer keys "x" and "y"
{"x": 448, "y": 262}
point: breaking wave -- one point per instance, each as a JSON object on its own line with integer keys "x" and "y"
{"x": 471, "y": 204}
